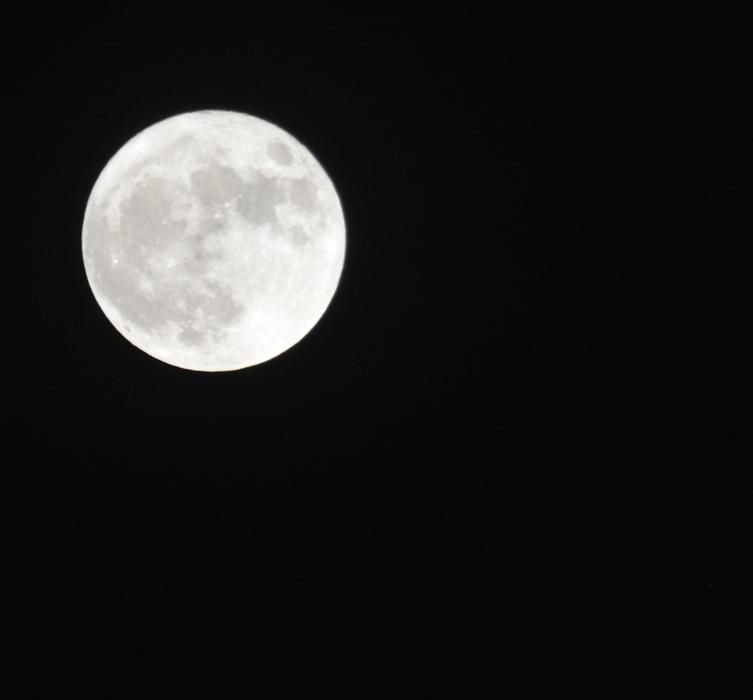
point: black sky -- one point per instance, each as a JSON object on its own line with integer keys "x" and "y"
{"x": 475, "y": 458}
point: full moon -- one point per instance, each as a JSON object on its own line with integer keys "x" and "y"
{"x": 213, "y": 240}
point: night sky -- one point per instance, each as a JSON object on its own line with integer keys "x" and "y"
{"x": 476, "y": 460}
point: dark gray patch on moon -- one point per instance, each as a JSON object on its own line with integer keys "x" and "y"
{"x": 280, "y": 153}
{"x": 216, "y": 185}
{"x": 217, "y": 308}
{"x": 259, "y": 199}
{"x": 296, "y": 236}
{"x": 191, "y": 337}
{"x": 303, "y": 194}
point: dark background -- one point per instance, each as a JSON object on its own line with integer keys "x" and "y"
{"x": 478, "y": 459}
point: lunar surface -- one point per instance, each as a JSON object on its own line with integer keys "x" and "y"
{"x": 213, "y": 240}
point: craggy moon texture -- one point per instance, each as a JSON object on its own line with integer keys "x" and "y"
{"x": 213, "y": 240}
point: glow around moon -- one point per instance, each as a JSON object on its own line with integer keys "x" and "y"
{"x": 213, "y": 240}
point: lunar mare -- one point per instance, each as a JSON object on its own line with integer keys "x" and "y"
{"x": 213, "y": 240}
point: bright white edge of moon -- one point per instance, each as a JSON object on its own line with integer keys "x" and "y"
{"x": 213, "y": 240}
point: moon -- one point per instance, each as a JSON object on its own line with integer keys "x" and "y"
{"x": 213, "y": 240}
